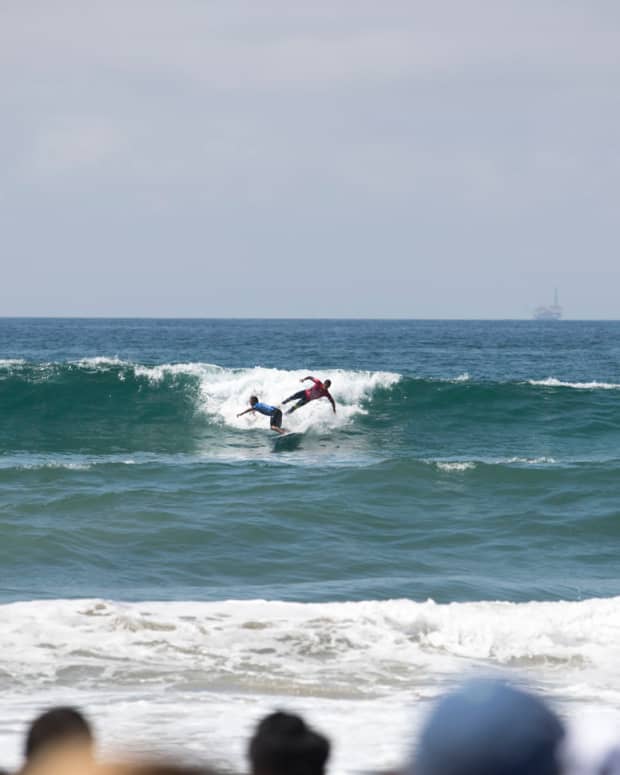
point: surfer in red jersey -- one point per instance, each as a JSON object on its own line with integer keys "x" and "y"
{"x": 318, "y": 390}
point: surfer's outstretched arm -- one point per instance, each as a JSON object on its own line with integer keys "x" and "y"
{"x": 250, "y": 409}
{"x": 331, "y": 401}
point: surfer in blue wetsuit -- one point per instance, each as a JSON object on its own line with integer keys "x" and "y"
{"x": 271, "y": 411}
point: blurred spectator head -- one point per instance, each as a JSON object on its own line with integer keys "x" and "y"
{"x": 489, "y": 728}
{"x": 57, "y": 726}
{"x": 283, "y": 744}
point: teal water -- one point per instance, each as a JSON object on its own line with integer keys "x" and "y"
{"x": 468, "y": 461}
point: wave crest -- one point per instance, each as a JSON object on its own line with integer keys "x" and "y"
{"x": 593, "y": 385}
{"x": 106, "y": 404}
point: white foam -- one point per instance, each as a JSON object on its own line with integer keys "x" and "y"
{"x": 456, "y": 466}
{"x": 102, "y": 362}
{"x": 346, "y": 666}
{"x": 594, "y": 385}
{"x": 77, "y": 462}
{"x": 463, "y": 377}
{"x": 365, "y": 647}
{"x": 467, "y": 465}
{"x": 29, "y": 462}
{"x": 158, "y": 373}
{"x": 531, "y": 461}
{"x": 54, "y": 464}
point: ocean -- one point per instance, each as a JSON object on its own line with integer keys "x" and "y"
{"x": 163, "y": 567}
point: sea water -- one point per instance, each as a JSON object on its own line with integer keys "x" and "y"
{"x": 165, "y": 570}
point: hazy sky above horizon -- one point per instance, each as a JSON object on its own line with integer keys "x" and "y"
{"x": 353, "y": 159}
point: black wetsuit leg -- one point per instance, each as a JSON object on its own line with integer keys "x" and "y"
{"x": 301, "y": 402}
{"x": 295, "y": 396}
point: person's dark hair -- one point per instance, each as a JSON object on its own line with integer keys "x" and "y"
{"x": 283, "y": 744}
{"x": 253, "y": 400}
{"x": 56, "y": 726}
{"x": 327, "y": 383}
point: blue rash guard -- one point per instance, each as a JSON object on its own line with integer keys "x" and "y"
{"x": 264, "y": 408}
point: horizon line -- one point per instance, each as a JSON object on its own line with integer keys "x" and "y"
{"x": 301, "y": 317}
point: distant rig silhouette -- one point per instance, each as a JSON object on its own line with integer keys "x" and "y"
{"x": 552, "y": 312}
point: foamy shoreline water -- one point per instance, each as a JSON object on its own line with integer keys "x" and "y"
{"x": 197, "y": 676}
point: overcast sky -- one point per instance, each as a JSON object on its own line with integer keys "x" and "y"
{"x": 394, "y": 158}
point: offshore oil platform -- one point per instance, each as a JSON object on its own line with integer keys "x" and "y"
{"x": 552, "y": 312}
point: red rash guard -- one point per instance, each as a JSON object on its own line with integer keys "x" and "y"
{"x": 318, "y": 390}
